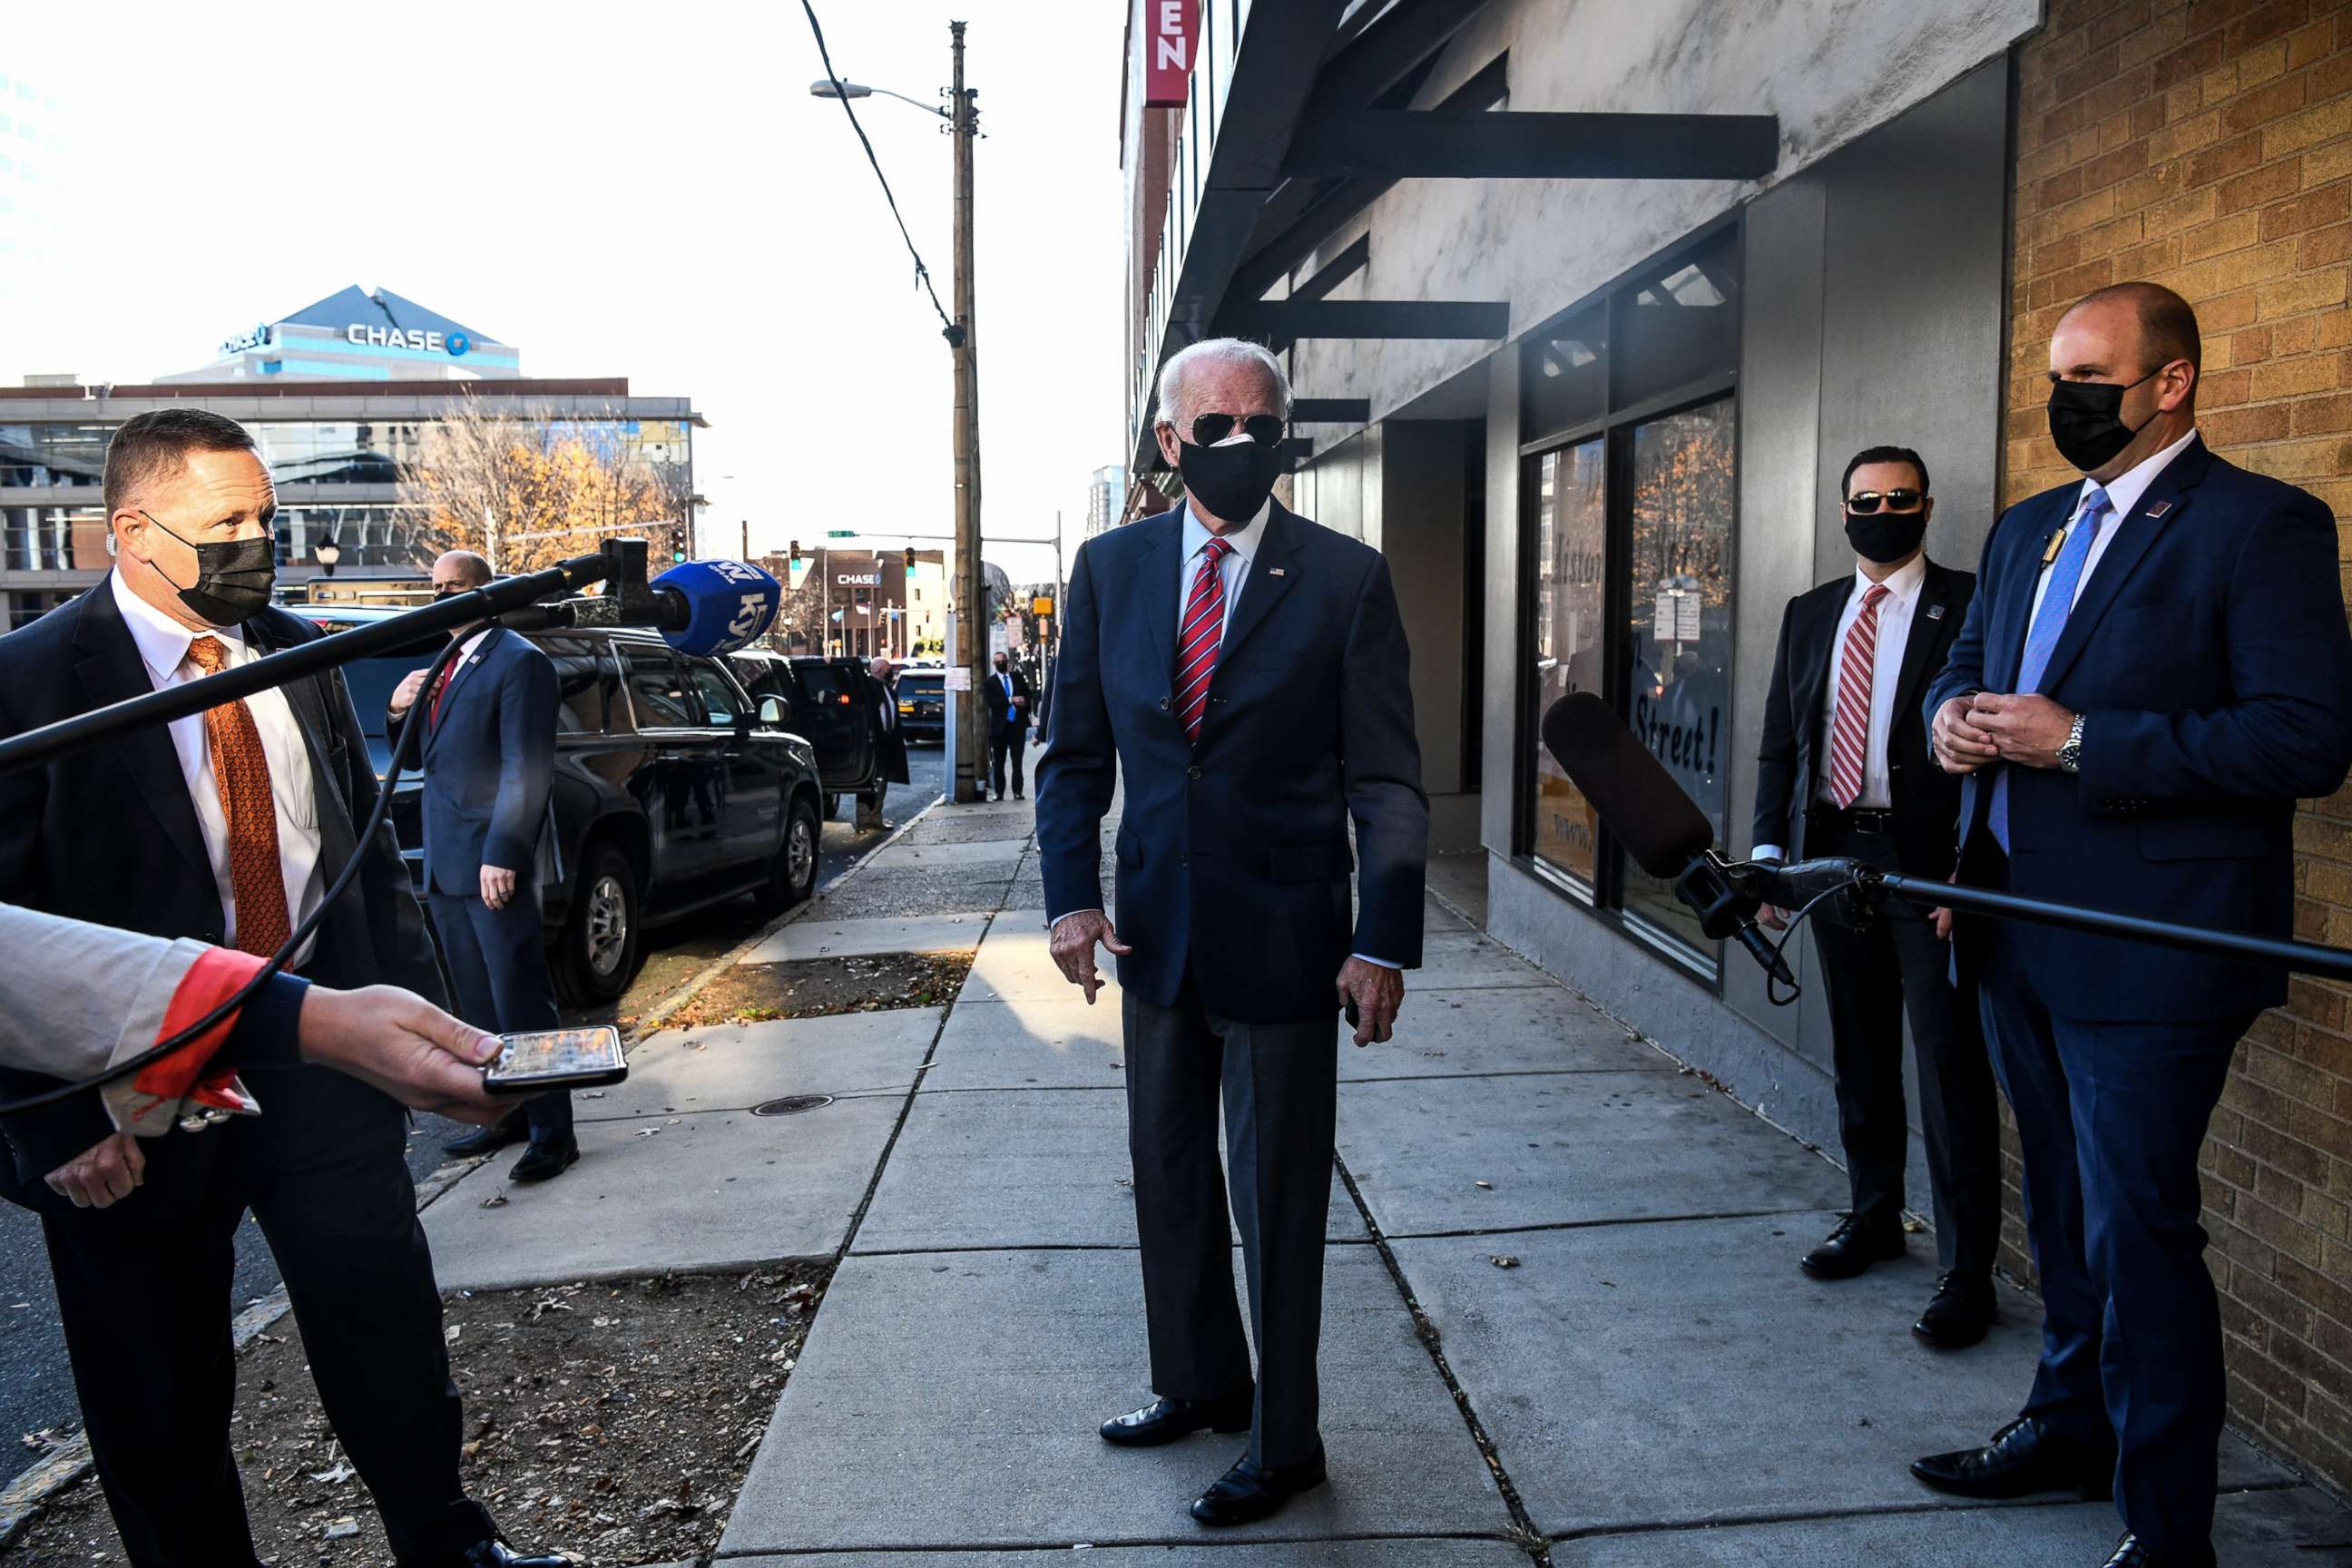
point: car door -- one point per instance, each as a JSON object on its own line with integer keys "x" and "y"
{"x": 750, "y": 762}
{"x": 681, "y": 782}
{"x": 832, "y": 717}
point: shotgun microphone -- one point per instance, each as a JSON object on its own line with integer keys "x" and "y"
{"x": 1661, "y": 828}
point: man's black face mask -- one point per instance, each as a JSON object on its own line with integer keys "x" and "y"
{"x": 2086, "y": 420}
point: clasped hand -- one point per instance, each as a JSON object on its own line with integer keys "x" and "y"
{"x": 1987, "y": 727}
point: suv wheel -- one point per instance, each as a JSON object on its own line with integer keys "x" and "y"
{"x": 792, "y": 878}
{"x": 600, "y": 939}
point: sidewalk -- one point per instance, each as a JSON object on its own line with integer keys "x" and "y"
{"x": 1655, "y": 1380}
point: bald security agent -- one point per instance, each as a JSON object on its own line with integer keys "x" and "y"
{"x": 2154, "y": 669}
{"x": 225, "y": 828}
{"x": 1243, "y": 675}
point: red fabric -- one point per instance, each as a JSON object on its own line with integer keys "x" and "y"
{"x": 209, "y": 982}
{"x": 1204, "y": 631}
{"x": 1850, "y": 736}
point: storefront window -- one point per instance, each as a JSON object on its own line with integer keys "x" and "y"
{"x": 1571, "y": 539}
{"x": 1629, "y": 416}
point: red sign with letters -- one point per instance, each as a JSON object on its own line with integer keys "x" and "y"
{"x": 1170, "y": 31}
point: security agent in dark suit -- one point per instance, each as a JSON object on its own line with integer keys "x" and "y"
{"x": 488, "y": 760}
{"x": 1844, "y": 770}
{"x": 1009, "y": 697}
{"x": 1243, "y": 674}
{"x": 889, "y": 743}
{"x": 2154, "y": 669}
{"x": 226, "y": 828}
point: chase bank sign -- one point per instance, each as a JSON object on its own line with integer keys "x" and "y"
{"x": 454, "y": 344}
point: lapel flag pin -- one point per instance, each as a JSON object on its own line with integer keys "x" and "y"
{"x": 1934, "y": 612}
{"x": 1274, "y": 571}
{"x": 2157, "y": 508}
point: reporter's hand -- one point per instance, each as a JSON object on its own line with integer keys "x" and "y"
{"x": 396, "y": 1041}
{"x": 1942, "y": 919}
{"x": 2026, "y": 728}
{"x": 1378, "y": 993}
{"x": 1959, "y": 746}
{"x": 497, "y": 887}
{"x": 1771, "y": 917}
{"x": 404, "y": 696}
{"x": 1073, "y": 946}
{"x": 103, "y": 1174}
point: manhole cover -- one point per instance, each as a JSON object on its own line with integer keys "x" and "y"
{"x": 793, "y": 1104}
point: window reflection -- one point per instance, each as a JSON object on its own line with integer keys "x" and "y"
{"x": 1571, "y": 541}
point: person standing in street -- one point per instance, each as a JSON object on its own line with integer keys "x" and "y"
{"x": 1009, "y": 696}
{"x": 1243, "y": 674}
{"x": 487, "y": 757}
{"x": 1844, "y": 770}
{"x": 227, "y": 828}
{"x": 2154, "y": 669}
{"x": 890, "y": 744}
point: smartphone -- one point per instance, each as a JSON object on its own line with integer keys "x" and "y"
{"x": 542, "y": 1060}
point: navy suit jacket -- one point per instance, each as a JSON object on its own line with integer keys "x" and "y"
{"x": 1233, "y": 853}
{"x": 488, "y": 764}
{"x": 2209, "y": 656}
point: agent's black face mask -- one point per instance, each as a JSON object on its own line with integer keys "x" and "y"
{"x": 233, "y": 577}
{"x": 2086, "y": 420}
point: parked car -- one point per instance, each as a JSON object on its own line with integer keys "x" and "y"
{"x": 674, "y": 789}
{"x": 923, "y": 704}
{"x": 822, "y": 705}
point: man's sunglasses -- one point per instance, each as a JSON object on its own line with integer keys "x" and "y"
{"x": 1265, "y": 429}
{"x": 1862, "y": 503}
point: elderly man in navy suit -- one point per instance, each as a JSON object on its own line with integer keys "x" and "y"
{"x": 488, "y": 757}
{"x": 2155, "y": 667}
{"x": 1242, "y": 672}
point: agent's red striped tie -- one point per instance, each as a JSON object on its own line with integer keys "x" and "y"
{"x": 1196, "y": 645}
{"x": 1850, "y": 738}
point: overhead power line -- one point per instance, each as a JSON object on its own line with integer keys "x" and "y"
{"x": 841, "y": 92}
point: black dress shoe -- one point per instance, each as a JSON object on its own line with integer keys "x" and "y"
{"x": 1251, "y": 1491}
{"x": 1853, "y": 1245}
{"x": 488, "y": 1140}
{"x": 497, "y": 1553}
{"x": 1165, "y": 1420}
{"x": 1959, "y": 1315}
{"x": 542, "y": 1160}
{"x": 2131, "y": 1553}
{"x": 2023, "y": 1456}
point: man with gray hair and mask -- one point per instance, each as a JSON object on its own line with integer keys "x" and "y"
{"x": 1242, "y": 673}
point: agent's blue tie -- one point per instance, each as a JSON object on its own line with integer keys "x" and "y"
{"x": 2057, "y": 603}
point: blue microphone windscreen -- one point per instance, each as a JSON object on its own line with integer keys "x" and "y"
{"x": 732, "y": 605}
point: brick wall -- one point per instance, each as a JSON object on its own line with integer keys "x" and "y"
{"x": 2209, "y": 146}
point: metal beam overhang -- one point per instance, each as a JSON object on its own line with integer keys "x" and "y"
{"x": 1331, "y": 411}
{"x": 1479, "y": 145}
{"x": 1288, "y": 321}
{"x": 1388, "y": 52}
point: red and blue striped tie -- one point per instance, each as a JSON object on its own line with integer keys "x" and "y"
{"x": 1196, "y": 647}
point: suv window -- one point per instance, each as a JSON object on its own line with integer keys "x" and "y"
{"x": 822, "y": 681}
{"x": 657, "y": 687}
{"x": 583, "y": 683}
{"x": 718, "y": 701}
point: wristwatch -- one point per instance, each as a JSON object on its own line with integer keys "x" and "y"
{"x": 2070, "y": 755}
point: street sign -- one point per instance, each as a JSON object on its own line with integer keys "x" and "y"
{"x": 1043, "y": 604}
{"x": 996, "y": 638}
{"x": 841, "y": 533}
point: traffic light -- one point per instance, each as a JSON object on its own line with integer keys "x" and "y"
{"x": 910, "y": 561}
{"x": 678, "y": 542}
{"x": 795, "y": 556}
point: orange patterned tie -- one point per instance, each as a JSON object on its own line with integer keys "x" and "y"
{"x": 241, "y": 772}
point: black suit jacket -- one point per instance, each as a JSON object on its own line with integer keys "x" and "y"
{"x": 991, "y": 691}
{"x": 107, "y": 833}
{"x": 889, "y": 733}
{"x": 1927, "y": 800}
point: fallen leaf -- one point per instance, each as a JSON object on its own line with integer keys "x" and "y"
{"x": 336, "y": 1476}
{"x": 495, "y": 1201}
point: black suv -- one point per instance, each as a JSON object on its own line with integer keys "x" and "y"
{"x": 673, "y": 790}
{"x": 923, "y": 704}
{"x": 824, "y": 704}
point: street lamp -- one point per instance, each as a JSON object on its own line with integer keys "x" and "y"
{"x": 824, "y": 88}
{"x": 329, "y": 552}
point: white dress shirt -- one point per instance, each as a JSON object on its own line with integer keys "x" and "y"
{"x": 2122, "y": 495}
{"x": 163, "y": 648}
{"x": 1894, "y": 613}
{"x": 1234, "y": 569}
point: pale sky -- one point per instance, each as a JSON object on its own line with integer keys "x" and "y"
{"x": 635, "y": 190}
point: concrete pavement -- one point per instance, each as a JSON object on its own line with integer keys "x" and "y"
{"x": 1657, "y": 1381}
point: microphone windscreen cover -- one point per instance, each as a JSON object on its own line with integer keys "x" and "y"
{"x": 1638, "y": 800}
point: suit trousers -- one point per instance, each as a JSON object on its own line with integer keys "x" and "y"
{"x": 144, "y": 1289}
{"x": 1003, "y": 744}
{"x": 1874, "y": 977}
{"x": 2110, "y": 1117}
{"x": 497, "y": 968}
{"x": 1279, "y": 1083}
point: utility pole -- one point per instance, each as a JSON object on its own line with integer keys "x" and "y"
{"x": 970, "y": 587}
{"x": 746, "y": 556}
